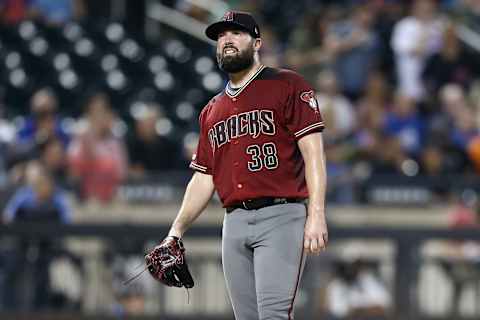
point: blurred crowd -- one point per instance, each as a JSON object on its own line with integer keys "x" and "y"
{"x": 91, "y": 155}
{"x": 397, "y": 81}
{"x": 73, "y": 117}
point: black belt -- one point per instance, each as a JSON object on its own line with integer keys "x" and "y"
{"x": 259, "y": 203}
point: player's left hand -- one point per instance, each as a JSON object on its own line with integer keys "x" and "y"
{"x": 167, "y": 263}
{"x": 316, "y": 234}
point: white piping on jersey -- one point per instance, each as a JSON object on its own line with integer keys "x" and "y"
{"x": 239, "y": 90}
{"x": 198, "y": 167}
{"x": 308, "y": 128}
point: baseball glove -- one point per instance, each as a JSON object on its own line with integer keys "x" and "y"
{"x": 167, "y": 264}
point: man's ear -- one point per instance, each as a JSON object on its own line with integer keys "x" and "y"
{"x": 257, "y": 44}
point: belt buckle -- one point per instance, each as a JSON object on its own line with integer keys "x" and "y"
{"x": 244, "y": 204}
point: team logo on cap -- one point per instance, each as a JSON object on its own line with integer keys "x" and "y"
{"x": 309, "y": 97}
{"x": 228, "y": 16}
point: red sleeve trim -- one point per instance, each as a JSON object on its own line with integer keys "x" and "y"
{"x": 318, "y": 126}
{"x": 198, "y": 167}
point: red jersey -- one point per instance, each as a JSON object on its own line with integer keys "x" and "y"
{"x": 248, "y": 138}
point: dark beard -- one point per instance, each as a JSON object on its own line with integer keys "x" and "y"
{"x": 236, "y": 63}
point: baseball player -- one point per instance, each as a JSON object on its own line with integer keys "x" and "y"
{"x": 261, "y": 149}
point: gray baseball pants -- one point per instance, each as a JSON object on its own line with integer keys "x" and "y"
{"x": 263, "y": 260}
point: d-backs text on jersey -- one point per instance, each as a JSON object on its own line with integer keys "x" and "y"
{"x": 251, "y": 123}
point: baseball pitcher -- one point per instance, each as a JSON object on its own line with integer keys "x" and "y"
{"x": 261, "y": 149}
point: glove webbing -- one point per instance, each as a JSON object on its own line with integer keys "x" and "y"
{"x": 134, "y": 277}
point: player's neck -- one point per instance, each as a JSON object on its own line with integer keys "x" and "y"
{"x": 238, "y": 79}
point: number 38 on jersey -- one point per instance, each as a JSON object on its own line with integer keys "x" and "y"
{"x": 262, "y": 156}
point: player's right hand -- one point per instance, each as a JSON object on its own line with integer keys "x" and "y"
{"x": 316, "y": 234}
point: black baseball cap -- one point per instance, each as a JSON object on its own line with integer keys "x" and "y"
{"x": 235, "y": 19}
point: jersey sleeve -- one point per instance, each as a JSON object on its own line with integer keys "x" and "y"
{"x": 202, "y": 159}
{"x": 302, "y": 114}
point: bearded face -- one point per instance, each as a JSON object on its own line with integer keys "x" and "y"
{"x": 233, "y": 59}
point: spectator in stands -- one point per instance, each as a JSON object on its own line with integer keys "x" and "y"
{"x": 376, "y": 151}
{"x": 388, "y": 155}
{"x": 356, "y": 292}
{"x": 432, "y": 161}
{"x": 377, "y": 92}
{"x": 148, "y": 151}
{"x": 354, "y": 46}
{"x": 42, "y": 125}
{"x": 453, "y": 64}
{"x": 97, "y": 158}
{"x": 40, "y": 200}
{"x": 43, "y": 122}
{"x": 306, "y": 51}
{"x": 458, "y": 116}
{"x": 443, "y": 130}
{"x": 404, "y": 123}
{"x": 53, "y": 157}
{"x": 464, "y": 128}
{"x": 336, "y": 108}
{"x": 376, "y": 99}
{"x": 367, "y": 135}
{"x": 452, "y": 98}
{"x": 415, "y": 38}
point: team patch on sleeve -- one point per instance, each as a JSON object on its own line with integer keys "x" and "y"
{"x": 309, "y": 97}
